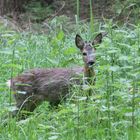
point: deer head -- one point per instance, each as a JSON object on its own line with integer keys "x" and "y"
{"x": 87, "y": 49}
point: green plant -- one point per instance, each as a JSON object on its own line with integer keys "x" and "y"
{"x": 36, "y": 12}
{"x": 112, "y": 112}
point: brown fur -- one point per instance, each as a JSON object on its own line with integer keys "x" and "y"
{"x": 44, "y": 84}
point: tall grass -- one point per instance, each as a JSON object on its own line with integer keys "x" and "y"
{"x": 112, "y": 112}
{"x": 91, "y": 17}
{"x": 78, "y": 11}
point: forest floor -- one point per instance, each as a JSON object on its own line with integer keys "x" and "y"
{"x": 100, "y": 8}
{"x": 37, "y": 15}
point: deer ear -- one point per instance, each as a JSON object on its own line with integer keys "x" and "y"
{"x": 79, "y": 42}
{"x": 97, "y": 39}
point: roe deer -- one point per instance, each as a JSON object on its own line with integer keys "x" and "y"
{"x": 38, "y": 85}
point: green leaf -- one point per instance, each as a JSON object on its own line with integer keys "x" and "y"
{"x": 114, "y": 68}
{"x": 52, "y": 61}
{"x": 123, "y": 57}
{"x": 112, "y": 51}
{"x": 60, "y": 35}
{"x": 70, "y": 50}
{"x": 53, "y": 138}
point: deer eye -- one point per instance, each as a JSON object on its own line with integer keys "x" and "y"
{"x": 84, "y": 53}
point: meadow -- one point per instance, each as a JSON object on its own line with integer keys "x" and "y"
{"x": 113, "y": 110}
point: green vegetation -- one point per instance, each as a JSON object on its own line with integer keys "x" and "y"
{"x": 112, "y": 113}
{"x": 36, "y": 12}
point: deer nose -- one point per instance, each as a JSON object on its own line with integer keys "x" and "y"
{"x": 91, "y": 63}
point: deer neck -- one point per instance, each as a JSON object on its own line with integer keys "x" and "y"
{"x": 89, "y": 75}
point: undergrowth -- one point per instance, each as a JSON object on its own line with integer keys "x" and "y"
{"x": 113, "y": 110}
{"x": 111, "y": 113}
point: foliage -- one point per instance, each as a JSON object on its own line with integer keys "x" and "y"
{"x": 127, "y": 10}
{"x": 113, "y": 110}
{"x": 35, "y": 11}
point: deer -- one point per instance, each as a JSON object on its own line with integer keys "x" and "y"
{"x": 34, "y": 86}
